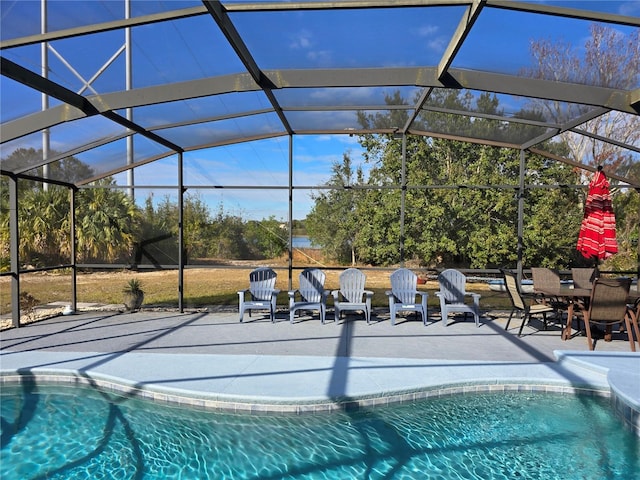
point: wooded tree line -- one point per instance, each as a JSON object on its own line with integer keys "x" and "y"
{"x": 111, "y": 228}
{"x": 449, "y": 218}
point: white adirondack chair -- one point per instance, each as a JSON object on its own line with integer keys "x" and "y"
{"x": 404, "y": 293}
{"x": 262, "y": 294}
{"x": 311, "y": 294}
{"x": 453, "y": 296}
{"x": 352, "y": 294}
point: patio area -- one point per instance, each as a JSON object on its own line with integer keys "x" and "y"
{"x": 209, "y": 359}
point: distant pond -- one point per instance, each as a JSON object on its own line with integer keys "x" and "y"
{"x": 302, "y": 242}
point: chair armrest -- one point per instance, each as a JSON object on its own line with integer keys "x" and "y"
{"x": 424, "y": 297}
{"x": 292, "y": 293}
{"x": 335, "y": 294}
{"x": 368, "y": 293}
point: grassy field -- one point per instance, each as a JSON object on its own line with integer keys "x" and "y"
{"x": 203, "y": 287}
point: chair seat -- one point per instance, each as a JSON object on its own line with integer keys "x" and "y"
{"x": 540, "y": 308}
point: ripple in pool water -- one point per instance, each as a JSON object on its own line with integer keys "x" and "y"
{"x": 72, "y": 433}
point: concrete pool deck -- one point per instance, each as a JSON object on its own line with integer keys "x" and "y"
{"x": 211, "y": 360}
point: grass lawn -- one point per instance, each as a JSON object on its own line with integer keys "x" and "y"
{"x": 203, "y": 287}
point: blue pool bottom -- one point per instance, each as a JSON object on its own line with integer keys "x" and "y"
{"x": 75, "y": 433}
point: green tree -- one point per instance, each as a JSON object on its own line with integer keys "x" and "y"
{"x": 227, "y": 236}
{"x": 160, "y": 230}
{"x": 68, "y": 169}
{"x": 446, "y": 223}
{"x": 44, "y": 226}
{"x": 332, "y": 223}
{"x": 107, "y": 223}
{"x": 266, "y": 238}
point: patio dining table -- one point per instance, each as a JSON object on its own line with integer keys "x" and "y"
{"x": 575, "y": 295}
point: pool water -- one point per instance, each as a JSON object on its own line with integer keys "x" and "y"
{"x": 71, "y": 433}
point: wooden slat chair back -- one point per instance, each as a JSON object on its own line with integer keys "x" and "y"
{"x": 404, "y": 293}
{"x": 311, "y": 293}
{"x": 352, "y": 295}
{"x": 453, "y": 296}
{"x": 521, "y": 304}
{"x": 608, "y": 306}
{"x": 262, "y": 293}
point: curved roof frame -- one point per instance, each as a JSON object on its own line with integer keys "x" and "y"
{"x": 593, "y": 101}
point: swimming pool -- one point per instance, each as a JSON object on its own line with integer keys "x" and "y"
{"x": 80, "y": 433}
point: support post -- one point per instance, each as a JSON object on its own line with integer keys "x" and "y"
{"x": 181, "y": 191}
{"x": 14, "y": 247}
{"x": 403, "y": 193}
{"x": 521, "y": 194}
{"x": 290, "y": 212}
{"x": 73, "y": 243}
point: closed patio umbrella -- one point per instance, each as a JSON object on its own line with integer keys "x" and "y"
{"x": 597, "y": 238}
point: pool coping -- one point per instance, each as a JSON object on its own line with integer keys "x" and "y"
{"x": 309, "y": 384}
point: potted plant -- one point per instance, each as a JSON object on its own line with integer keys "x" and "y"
{"x": 133, "y": 295}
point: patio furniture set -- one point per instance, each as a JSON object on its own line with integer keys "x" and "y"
{"x": 589, "y": 298}
{"x": 352, "y": 295}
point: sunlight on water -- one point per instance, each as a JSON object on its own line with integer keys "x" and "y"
{"x": 66, "y": 433}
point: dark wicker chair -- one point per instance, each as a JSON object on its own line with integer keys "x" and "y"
{"x": 608, "y": 307}
{"x": 524, "y": 305}
{"x": 583, "y": 277}
{"x": 548, "y": 280}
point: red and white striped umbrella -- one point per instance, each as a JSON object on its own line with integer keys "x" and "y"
{"x": 597, "y": 238}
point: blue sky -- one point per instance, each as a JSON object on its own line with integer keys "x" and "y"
{"x": 262, "y": 163}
